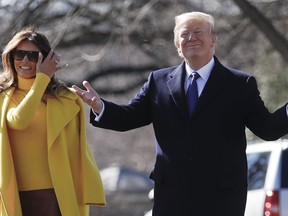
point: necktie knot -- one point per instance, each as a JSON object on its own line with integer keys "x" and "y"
{"x": 195, "y": 76}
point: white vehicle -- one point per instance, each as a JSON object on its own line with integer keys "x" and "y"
{"x": 267, "y": 179}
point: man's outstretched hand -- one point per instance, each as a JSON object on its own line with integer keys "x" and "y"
{"x": 89, "y": 96}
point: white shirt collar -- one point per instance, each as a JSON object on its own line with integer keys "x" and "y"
{"x": 204, "y": 72}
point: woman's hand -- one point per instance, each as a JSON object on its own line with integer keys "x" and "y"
{"x": 50, "y": 65}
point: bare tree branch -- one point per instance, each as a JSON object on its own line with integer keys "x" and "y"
{"x": 276, "y": 39}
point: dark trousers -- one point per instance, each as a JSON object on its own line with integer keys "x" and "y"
{"x": 39, "y": 202}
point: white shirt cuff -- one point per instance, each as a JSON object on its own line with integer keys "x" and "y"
{"x": 98, "y": 116}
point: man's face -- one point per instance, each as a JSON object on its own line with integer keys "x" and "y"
{"x": 195, "y": 42}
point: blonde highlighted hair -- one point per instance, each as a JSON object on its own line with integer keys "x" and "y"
{"x": 8, "y": 77}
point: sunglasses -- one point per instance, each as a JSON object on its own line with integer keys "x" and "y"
{"x": 20, "y": 54}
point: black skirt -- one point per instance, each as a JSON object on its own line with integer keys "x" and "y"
{"x": 39, "y": 202}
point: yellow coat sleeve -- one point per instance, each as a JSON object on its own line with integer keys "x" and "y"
{"x": 20, "y": 117}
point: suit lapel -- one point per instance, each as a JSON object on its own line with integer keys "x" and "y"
{"x": 214, "y": 86}
{"x": 176, "y": 87}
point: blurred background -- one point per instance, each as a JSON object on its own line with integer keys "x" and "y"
{"x": 115, "y": 44}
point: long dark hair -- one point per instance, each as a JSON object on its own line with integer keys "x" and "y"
{"x": 8, "y": 78}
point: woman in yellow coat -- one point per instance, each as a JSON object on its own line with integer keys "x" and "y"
{"x": 46, "y": 167}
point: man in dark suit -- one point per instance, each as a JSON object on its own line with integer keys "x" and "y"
{"x": 201, "y": 167}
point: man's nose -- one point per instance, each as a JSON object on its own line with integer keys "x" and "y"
{"x": 190, "y": 36}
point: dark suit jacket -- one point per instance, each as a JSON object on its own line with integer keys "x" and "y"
{"x": 201, "y": 165}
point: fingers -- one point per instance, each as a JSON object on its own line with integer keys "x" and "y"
{"x": 77, "y": 90}
{"x": 50, "y": 65}
{"x": 50, "y": 54}
{"x": 88, "y": 94}
{"x": 40, "y": 58}
{"x": 61, "y": 67}
{"x": 56, "y": 60}
{"x": 87, "y": 86}
{"x": 52, "y": 57}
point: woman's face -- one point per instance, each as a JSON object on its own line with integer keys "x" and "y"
{"x": 25, "y": 62}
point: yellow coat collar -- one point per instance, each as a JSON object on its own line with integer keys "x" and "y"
{"x": 59, "y": 114}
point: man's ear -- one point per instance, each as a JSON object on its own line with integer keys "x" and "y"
{"x": 214, "y": 39}
{"x": 178, "y": 48}
{"x": 177, "y": 44}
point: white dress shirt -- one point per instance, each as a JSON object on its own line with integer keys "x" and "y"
{"x": 204, "y": 73}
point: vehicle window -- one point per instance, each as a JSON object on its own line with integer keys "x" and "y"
{"x": 257, "y": 168}
{"x": 132, "y": 181}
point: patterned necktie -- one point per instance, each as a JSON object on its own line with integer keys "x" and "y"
{"x": 192, "y": 93}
